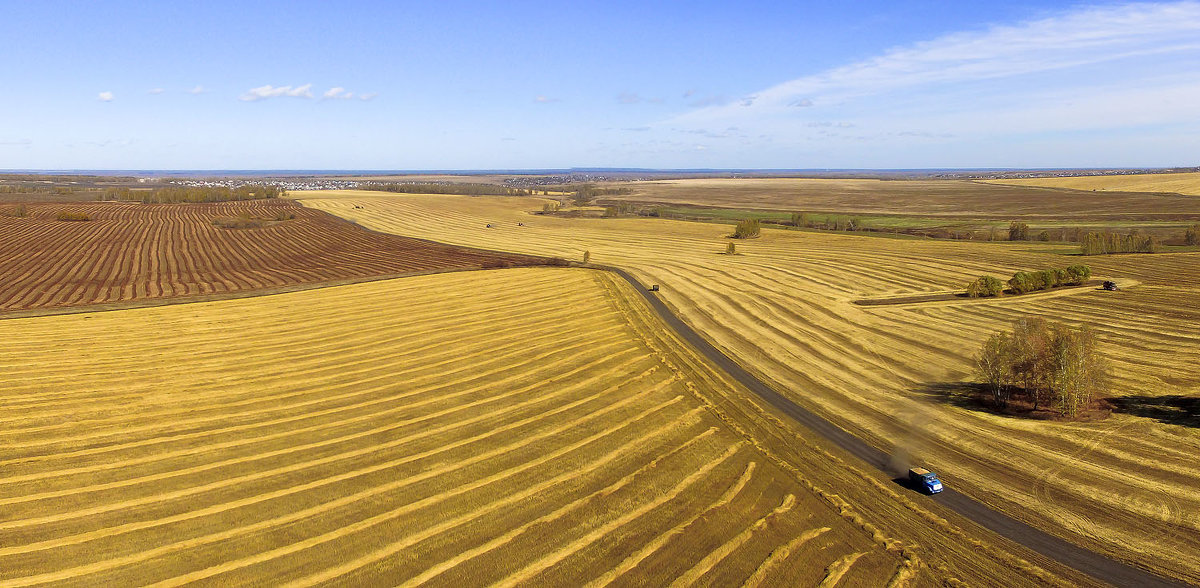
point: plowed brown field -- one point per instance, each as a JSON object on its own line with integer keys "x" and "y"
{"x": 131, "y": 251}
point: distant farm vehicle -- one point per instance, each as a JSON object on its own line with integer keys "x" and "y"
{"x": 654, "y": 288}
{"x": 1109, "y": 285}
{"x": 489, "y": 225}
{"x": 924, "y": 480}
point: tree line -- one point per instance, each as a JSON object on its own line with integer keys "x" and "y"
{"x": 1046, "y": 364}
{"x": 829, "y": 222}
{"x": 1107, "y": 242}
{"x": 178, "y": 194}
{"x": 584, "y": 194}
{"x": 459, "y": 189}
{"x": 1023, "y": 282}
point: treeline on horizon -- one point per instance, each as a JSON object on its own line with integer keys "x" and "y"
{"x": 458, "y": 189}
{"x": 180, "y": 194}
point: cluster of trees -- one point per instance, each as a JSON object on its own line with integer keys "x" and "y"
{"x": 1024, "y": 282}
{"x": 1192, "y": 235}
{"x": 985, "y": 286}
{"x": 1018, "y": 231}
{"x": 177, "y": 194}
{"x": 584, "y": 194}
{"x": 18, "y": 211}
{"x": 550, "y": 207}
{"x": 747, "y": 229}
{"x": 1047, "y": 364}
{"x": 619, "y": 209}
{"x": 460, "y": 189}
{"x": 74, "y": 216}
{"x": 829, "y": 222}
{"x": 38, "y": 189}
{"x": 1108, "y": 242}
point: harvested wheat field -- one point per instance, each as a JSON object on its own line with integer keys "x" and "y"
{"x": 523, "y": 426}
{"x": 1127, "y": 485}
{"x": 132, "y": 251}
{"x": 945, "y": 199}
{"x": 1181, "y": 183}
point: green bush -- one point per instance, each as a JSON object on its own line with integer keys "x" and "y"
{"x": 985, "y": 286}
{"x": 1022, "y": 283}
{"x": 747, "y": 229}
{"x": 1078, "y": 274}
{"x": 1049, "y": 278}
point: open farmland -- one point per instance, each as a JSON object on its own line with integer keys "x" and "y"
{"x": 1181, "y": 183}
{"x": 948, "y": 199}
{"x": 478, "y": 433}
{"x": 897, "y": 376}
{"x": 131, "y": 252}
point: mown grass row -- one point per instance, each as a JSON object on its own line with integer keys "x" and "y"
{"x": 472, "y": 432}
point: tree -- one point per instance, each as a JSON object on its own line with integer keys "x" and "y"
{"x": 1018, "y": 231}
{"x": 1078, "y": 274}
{"x": 1031, "y": 361}
{"x": 995, "y": 365}
{"x": 587, "y": 256}
{"x": 1192, "y": 235}
{"x": 1052, "y": 365}
{"x": 985, "y": 286}
{"x": 1079, "y": 372}
{"x": 730, "y": 249}
{"x": 1021, "y": 283}
{"x": 746, "y": 229}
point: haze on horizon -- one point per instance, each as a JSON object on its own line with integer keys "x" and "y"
{"x": 462, "y": 85}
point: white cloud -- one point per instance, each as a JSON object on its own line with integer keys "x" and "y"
{"x": 198, "y": 89}
{"x": 368, "y": 96}
{"x": 105, "y": 97}
{"x": 337, "y": 92}
{"x": 155, "y": 91}
{"x": 268, "y": 91}
{"x": 545, "y": 100}
{"x": 1093, "y": 68}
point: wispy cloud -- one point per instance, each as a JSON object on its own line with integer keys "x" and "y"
{"x": 155, "y": 91}
{"x": 16, "y": 143}
{"x": 337, "y": 93}
{"x": 268, "y": 91}
{"x": 546, "y": 99}
{"x": 198, "y": 89}
{"x": 368, "y": 96}
{"x": 628, "y": 98}
{"x": 1087, "y": 68}
{"x": 105, "y": 97}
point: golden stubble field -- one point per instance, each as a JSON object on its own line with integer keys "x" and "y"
{"x": 522, "y": 426}
{"x": 1181, "y": 183}
{"x": 1128, "y": 485}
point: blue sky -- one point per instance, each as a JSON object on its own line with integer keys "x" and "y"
{"x": 485, "y": 85}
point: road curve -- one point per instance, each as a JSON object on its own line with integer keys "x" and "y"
{"x": 1086, "y": 561}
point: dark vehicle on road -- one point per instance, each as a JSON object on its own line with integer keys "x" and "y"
{"x": 1109, "y": 285}
{"x": 924, "y": 480}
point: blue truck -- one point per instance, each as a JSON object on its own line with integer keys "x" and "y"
{"x": 923, "y": 479}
